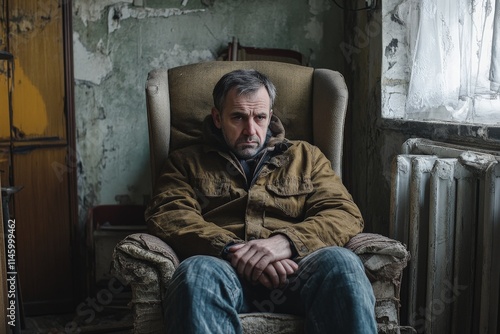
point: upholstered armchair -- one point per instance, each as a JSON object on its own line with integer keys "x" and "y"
{"x": 312, "y": 105}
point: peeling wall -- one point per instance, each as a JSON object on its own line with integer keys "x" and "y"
{"x": 116, "y": 43}
{"x": 395, "y": 63}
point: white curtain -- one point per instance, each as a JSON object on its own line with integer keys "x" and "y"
{"x": 452, "y": 49}
{"x": 495, "y": 54}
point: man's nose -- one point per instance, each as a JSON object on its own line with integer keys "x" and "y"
{"x": 250, "y": 128}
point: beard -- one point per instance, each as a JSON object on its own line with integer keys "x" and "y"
{"x": 245, "y": 147}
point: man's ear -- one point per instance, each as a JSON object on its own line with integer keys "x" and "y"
{"x": 216, "y": 117}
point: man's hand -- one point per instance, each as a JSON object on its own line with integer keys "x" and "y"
{"x": 256, "y": 257}
{"x": 273, "y": 276}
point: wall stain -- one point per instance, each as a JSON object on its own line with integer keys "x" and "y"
{"x": 21, "y": 22}
{"x": 391, "y": 48}
{"x": 395, "y": 18}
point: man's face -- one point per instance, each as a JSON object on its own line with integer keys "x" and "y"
{"x": 244, "y": 121}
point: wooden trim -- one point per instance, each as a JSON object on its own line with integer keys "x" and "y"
{"x": 76, "y": 238}
{"x": 39, "y": 143}
{"x": 4, "y": 301}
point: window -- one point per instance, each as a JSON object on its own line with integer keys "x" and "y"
{"x": 441, "y": 60}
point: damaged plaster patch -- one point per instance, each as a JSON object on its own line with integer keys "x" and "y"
{"x": 90, "y": 67}
{"x": 390, "y": 50}
{"x": 395, "y": 60}
{"x": 121, "y": 12}
{"x": 92, "y": 10}
{"x": 314, "y": 30}
{"x": 391, "y": 53}
{"x": 173, "y": 57}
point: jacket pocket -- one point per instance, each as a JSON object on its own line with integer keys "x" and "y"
{"x": 212, "y": 187}
{"x": 288, "y": 195}
{"x": 212, "y": 192}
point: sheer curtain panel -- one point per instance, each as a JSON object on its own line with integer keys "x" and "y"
{"x": 454, "y": 60}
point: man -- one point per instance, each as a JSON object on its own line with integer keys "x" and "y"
{"x": 259, "y": 222}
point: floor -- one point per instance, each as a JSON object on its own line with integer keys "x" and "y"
{"x": 114, "y": 318}
{"x": 118, "y": 322}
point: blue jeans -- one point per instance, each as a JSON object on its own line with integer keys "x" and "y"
{"x": 330, "y": 289}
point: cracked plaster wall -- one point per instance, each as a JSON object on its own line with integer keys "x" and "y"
{"x": 116, "y": 43}
{"x": 395, "y": 64}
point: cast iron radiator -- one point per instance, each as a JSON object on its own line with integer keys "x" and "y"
{"x": 445, "y": 205}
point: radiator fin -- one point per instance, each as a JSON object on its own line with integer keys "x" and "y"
{"x": 447, "y": 210}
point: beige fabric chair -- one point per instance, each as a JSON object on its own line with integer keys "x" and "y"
{"x": 312, "y": 105}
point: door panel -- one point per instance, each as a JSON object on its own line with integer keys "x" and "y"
{"x": 36, "y": 41}
{"x": 4, "y": 102}
{"x": 43, "y": 227}
{"x": 34, "y": 144}
{"x": 4, "y": 163}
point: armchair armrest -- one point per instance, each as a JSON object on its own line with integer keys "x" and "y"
{"x": 145, "y": 248}
{"x": 384, "y": 260}
{"x": 147, "y": 264}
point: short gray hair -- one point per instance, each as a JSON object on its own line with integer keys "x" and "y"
{"x": 245, "y": 82}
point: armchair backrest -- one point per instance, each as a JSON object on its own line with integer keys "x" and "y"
{"x": 310, "y": 102}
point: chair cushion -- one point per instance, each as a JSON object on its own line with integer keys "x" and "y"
{"x": 293, "y": 102}
{"x": 257, "y": 323}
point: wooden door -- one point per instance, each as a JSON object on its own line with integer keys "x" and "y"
{"x": 36, "y": 149}
{"x": 4, "y": 298}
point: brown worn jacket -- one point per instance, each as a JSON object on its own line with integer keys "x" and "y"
{"x": 203, "y": 200}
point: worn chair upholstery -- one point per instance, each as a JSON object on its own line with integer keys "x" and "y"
{"x": 312, "y": 105}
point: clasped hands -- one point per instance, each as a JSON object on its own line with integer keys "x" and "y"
{"x": 264, "y": 261}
